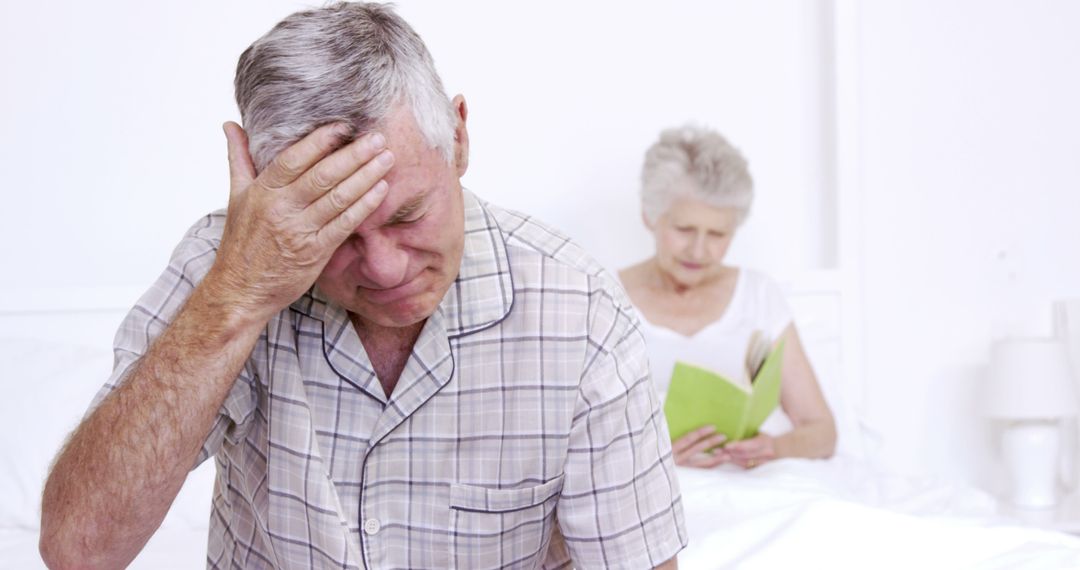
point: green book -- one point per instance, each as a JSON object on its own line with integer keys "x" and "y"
{"x": 698, "y": 397}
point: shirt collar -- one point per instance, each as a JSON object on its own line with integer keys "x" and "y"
{"x": 483, "y": 292}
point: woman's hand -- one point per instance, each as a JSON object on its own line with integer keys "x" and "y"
{"x": 752, "y": 452}
{"x": 700, "y": 448}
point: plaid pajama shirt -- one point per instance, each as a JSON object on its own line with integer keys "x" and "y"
{"x": 523, "y": 432}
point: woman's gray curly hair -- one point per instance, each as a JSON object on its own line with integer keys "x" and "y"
{"x": 717, "y": 170}
{"x": 347, "y": 62}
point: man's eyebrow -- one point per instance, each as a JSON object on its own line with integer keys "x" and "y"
{"x": 406, "y": 210}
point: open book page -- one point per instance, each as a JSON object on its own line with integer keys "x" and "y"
{"x": 756, "y": 352}
{"x": 766, "y": 394}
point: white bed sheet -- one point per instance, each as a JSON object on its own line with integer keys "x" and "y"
{"x": 841, "y": 513}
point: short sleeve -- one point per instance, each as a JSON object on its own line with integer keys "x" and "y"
{"x": 152, "y": 313}
{"x": 620, "y": 505}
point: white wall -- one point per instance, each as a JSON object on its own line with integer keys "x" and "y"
{"x": 970, "y": 182}
{"x": 112, "y": 119}
{"x": 566, "y": 96}
{"x": 932, "y": 169}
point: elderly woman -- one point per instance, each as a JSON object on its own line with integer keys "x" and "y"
{"x": 696, "y": 191}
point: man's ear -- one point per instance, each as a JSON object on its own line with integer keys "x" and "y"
{"x": 461, "y": 135}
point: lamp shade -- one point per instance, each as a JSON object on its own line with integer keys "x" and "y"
{"x": 1030, "y": 378}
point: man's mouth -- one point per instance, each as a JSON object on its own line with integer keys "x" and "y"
{"x": 382, "y": 295}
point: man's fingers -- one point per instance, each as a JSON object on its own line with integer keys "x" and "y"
{"x": 340, "y": 198}
{"x": 333, "y": 170}
{"x": 241, "y": 168}
{"x": 291, "y": 163}
{"x": 340, "y": 227}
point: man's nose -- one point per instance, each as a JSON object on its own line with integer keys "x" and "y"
{"x": 384, "y": 263}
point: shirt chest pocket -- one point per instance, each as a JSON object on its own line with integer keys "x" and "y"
{"x": 498, "y": 528}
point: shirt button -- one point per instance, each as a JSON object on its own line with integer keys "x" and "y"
{"x": 372, "y": 526}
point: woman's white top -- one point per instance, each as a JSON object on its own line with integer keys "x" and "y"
{"x": 756, "y": 304}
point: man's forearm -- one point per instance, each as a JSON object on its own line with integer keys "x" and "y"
{"x": 115, "y": 479}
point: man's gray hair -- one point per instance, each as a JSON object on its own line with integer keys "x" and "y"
{"x": 717, "y": 170}
{"x": 347, "y": 62}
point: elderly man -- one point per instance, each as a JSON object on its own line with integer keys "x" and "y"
{"x": 388, "y": 371}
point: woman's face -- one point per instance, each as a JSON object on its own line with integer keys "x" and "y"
{"x": 692, "y": 238}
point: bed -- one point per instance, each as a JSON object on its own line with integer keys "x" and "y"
{"x": 845, "y": 512}
{"x": 840, "y": 513}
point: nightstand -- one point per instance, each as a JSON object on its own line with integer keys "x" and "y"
{"x": 1065, "y": 517}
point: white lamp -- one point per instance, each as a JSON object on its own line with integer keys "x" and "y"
{"x": 1031, "y": 387}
